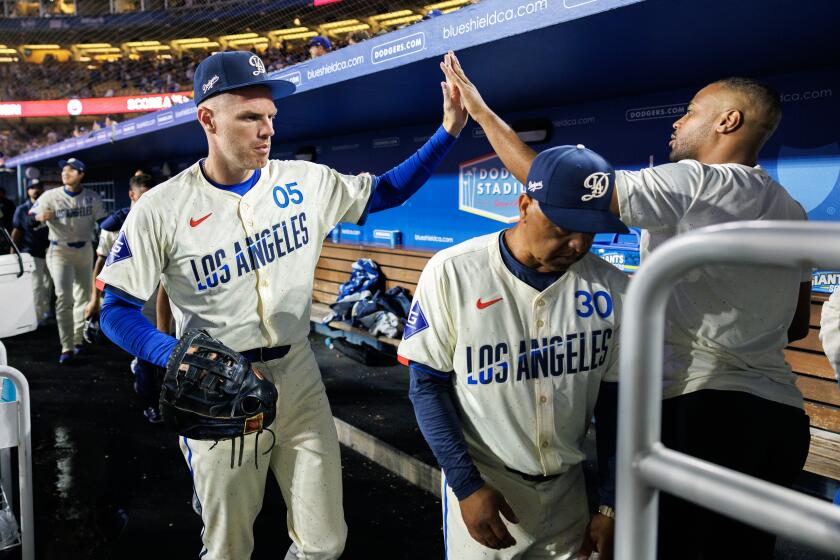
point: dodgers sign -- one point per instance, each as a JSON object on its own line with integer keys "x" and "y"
{"x": 488, "y": 189}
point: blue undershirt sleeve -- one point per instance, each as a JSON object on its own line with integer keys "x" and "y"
{"x": 606, "y": 426}
{"x": 123, "y": 322}
{"x": 400, "y": 183}
{"x": 438, "y": 421}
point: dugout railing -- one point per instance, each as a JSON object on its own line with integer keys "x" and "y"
{"x": 645, "y": 466}
{"x": 16, "y": 431}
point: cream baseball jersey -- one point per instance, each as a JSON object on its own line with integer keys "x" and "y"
{"x": 830, "y": 331}
{"x": 240, "y": 267}
{"x": 726, "y": 325}
{"x": 106, "y": 242}
{"x": 75, "y": 216}
{"x": 527, "y": 364}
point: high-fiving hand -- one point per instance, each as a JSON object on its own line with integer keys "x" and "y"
{"x": 454, "y": 114}
{"x": 466, "y": 91}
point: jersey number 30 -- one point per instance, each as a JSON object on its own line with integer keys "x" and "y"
{"x": 284, "y": 195}
{"x": 586, "y": 304}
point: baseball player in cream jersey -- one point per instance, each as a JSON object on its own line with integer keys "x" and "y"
{"x": 234, "y": 240}
{"x": 729, "y": 396}
{"x": 522, "y": 327}
{"x": 830, "y": 331}
{"x": 71, "y": 213}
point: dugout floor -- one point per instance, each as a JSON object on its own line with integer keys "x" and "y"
{"x": 94, "y": 453}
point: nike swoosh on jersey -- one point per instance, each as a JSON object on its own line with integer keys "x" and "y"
{"x": 194, "y": 223}
{"x": 484, "y": 304}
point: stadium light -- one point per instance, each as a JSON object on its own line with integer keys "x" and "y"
{"x": 293, "y": 36}
{"x": 283, "y": 33}
{"x": 391, "y": 15}
{"x": 134, "y": 44}
{"x": 92, "y": 45}
{"x": 254, "y": 41}
{"x": 349, "y": 29}
{"x": 179, "y": 42}
{"x": 287, "y": 30}
{"x": 205, "y": 45}
{"x": 224, "y": 38}
{"x": 446, "y": 4}
{"x": 152, "y": 48}
{"x": 40, "y": 47}
{"x": 400, "y": 21}
{"x": 110, "y": 50}
{"x": 334, "y": 24}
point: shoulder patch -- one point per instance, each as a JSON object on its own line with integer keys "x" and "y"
{"x": 120, "y": 251}
{"x": 416, "y": 321}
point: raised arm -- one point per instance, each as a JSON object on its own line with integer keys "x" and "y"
{"x": 514, "y": 153}
{"x": 398, "y": 184}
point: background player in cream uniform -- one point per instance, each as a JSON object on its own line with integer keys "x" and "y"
{"x": 523, "y": 326}
{"x": 729, "y": 396}
{"x": 71, "y": 213}
{"x": 236, "y": 237}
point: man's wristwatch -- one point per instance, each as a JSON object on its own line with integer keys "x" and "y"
{"x": 607, "y": 511}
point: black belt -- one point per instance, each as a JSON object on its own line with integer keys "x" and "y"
{"x": 534, "y": 477}
{"x": 266, "y": 354}
{"x": 74, "y": 244}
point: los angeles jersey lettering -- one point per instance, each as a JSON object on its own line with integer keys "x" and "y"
{"x": 522, "y": 358}
{"x": 236, "y": 273}
{"x": 75, "y": 216}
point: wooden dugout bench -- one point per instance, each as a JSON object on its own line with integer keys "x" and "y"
{"x": 402, "y": 267}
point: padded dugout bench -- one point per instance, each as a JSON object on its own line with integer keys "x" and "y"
{"x": 400, "y": 267}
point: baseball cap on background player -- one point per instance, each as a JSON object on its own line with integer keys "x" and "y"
{"x": 319, "y": 41}
{"x": 574, "y": 188}
{"x": 76, "y": 164}
{"x": 231, "y": 70}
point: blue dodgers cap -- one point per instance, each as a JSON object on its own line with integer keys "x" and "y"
{"x": 574, "y": 188}
{"x": 76, "y": 164}
{"x": 320, "y": 40}
{"x": 231, "y": 70}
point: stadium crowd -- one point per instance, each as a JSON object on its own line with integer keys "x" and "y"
{"x": 25, "y": 81}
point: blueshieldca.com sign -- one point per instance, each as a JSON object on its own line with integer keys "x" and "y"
{"x": 488, "y": 189}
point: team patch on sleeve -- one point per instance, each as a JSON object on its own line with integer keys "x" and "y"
{"x": 120, "y": 251}
{"x": 416, "y": 321}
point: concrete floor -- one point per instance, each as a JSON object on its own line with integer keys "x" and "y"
{"x": 94, "y": 454}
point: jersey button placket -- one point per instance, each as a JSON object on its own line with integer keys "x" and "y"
{"x": 543, "y": 387}
{"x": 246, "y": 215}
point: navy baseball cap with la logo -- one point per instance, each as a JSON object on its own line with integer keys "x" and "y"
{"x": 574, "y": 187}
{"x": 76, "y": 164}
{"x": 231, "y": 70}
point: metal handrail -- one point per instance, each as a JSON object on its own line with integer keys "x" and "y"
{"x": 644, "y": 465}
{"x": 27, "y": 534}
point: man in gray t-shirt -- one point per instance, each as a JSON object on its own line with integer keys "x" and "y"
{"x": 730, "y": 398}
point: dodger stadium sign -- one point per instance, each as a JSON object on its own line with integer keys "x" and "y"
{"x": 488, "y": 189}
